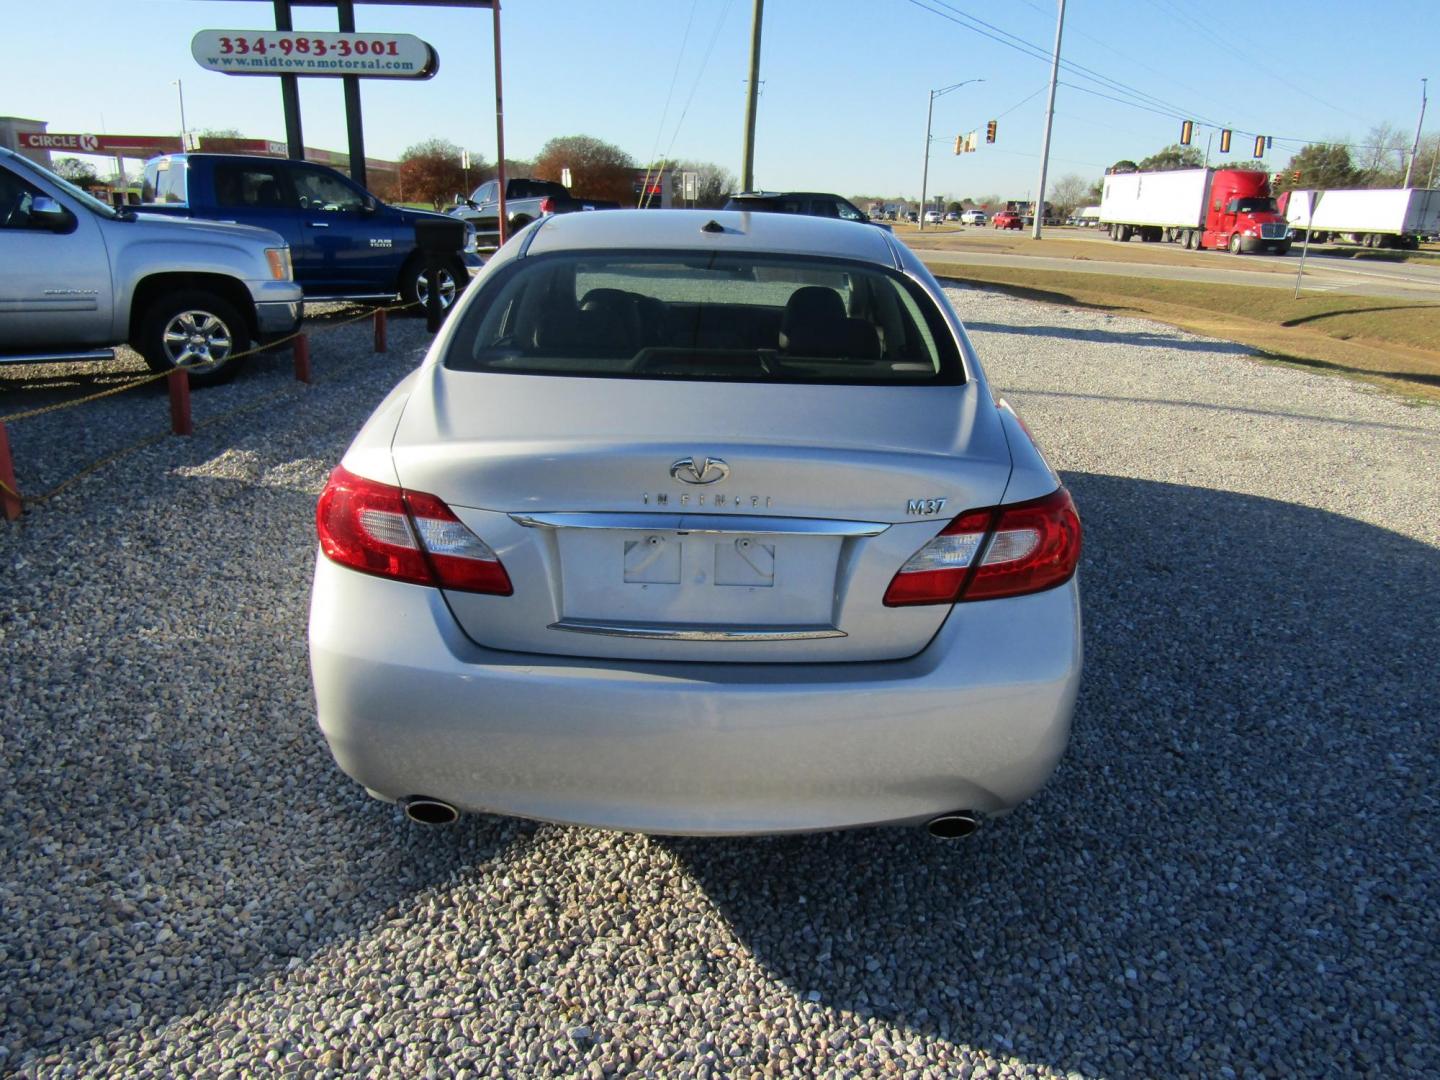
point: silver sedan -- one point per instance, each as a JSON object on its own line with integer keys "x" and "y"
{"x": 698, "y": 522}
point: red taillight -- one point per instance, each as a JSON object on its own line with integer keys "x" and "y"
{"x": 403, "y": 535}
{"x": 987, "y": 554}
{"x": 547, "y": 205}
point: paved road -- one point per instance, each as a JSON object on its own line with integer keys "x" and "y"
{"x": 1408, "y": 281}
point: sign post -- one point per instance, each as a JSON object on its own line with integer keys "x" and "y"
{"x": 348, "y": 56}
{"x": 1313, "y": 199}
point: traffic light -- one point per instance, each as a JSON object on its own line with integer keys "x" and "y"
{"x": 990, "y": 131}
{"x": 959, "y": 144}
{"x": 1224, "y": 140}
{"x": 1295, "y": 178}
{"x": 1259, "y": 146}
{"x": 1187, "y": 131}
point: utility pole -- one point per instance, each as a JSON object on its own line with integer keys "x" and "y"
{"x": 1415, "y": 146}
{"x": 929, "y": 115}
{"x": 747, "y": 166}
{"x": 1049, "y": 122}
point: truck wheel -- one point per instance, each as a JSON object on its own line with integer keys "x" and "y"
{"x": 195, "y": 330}
{"x": 415, "y": 284}
{"x": 1235, "y": 248}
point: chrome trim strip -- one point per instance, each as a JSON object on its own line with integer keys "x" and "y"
{"x": 351, "y": 296}
{"x": 678, "y": 632}
{"x": 56, "y": 358}
{"x": 703, "y": 523}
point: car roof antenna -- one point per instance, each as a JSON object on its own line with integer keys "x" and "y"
{"x": 712, "y": 226}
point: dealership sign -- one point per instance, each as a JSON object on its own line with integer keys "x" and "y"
{"x": 306, "y": 52}
{"x": 98, "y": 144}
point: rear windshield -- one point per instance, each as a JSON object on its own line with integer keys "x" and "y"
{"x": 707, "y": 317}
{"x": 164, "y": 182}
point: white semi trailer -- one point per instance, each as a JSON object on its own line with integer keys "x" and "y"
{"x": 1375, "y": 217}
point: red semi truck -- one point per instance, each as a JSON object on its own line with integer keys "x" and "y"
{"x": 1199, "y": 208}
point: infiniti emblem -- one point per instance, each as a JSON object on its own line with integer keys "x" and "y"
{"x": 704, "y": 470}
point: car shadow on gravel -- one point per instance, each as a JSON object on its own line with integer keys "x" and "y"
{"x": 1234, "y": 868}
{"x": 1174, "y": 340}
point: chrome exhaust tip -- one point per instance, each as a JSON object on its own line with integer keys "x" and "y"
{"x": 953, "y": 826}
{"x": 428, "y": 811}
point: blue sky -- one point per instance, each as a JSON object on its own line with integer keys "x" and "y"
{"x": 845, "y": 82}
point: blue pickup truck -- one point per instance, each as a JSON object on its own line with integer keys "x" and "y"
{"x": 345, "y": 243}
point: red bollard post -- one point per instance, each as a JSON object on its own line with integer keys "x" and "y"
{"x": 302, "y": 358}
{"x": 381, "y": 342}
{"x": 9, "y": 489}
{"x": 179, "y": 380}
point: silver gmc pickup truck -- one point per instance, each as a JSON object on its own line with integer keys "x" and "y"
{"x": 78, "y": 279}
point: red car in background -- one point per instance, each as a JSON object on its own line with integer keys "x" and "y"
{"x": 1007, "y": 219}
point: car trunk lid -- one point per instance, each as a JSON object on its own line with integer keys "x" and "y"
{"x": 700, "y": 521}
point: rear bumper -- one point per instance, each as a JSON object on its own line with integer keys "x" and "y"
{"x": 410, "y": 706}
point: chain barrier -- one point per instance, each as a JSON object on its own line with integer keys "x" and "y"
{"x": 150, "y": 440}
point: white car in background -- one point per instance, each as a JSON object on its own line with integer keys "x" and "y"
{"x": 973, "y": 217}
{"x": 698, "y": 522}
{"x": 933, "y": 217}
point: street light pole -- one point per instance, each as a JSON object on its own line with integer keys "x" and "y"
{"x": 929, "y": 116}
{"x": 184, "y": 131}
{"x": 1415, "y": 146}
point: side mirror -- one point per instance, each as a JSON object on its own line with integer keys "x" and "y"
{"x": 49, "y": 213}
{"x": 370, "y": 205}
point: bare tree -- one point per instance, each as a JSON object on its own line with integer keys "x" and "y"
{"x": 1068, "y": 194}
{"x": 714, "y": 183}
{"x": 80, "y": 173}
{"x": 1381, "y": 158}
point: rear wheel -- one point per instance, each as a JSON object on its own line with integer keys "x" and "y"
{"x": 1235, "y": 248}
{"x": 415, "y": 283}
{"x": 194, "y": 330}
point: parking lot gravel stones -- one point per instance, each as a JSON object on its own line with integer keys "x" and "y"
{"x": 1234, "y": 872}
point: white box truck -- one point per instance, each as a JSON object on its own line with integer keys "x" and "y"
{"x": 1375, "y": 217}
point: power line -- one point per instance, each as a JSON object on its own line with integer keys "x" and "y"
{"x": 669, "y": 94}
{"x": 1038, "y": 52}
{"x": 1027, "y": 98}
{"x": 1264, "y": 67}
{"x": 699, "y": 74}
{"x": 1122, "y": 55}
{"x": 1147, "y": 102}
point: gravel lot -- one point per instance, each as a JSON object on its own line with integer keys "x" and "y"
{"x": 1234, "y": 873}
